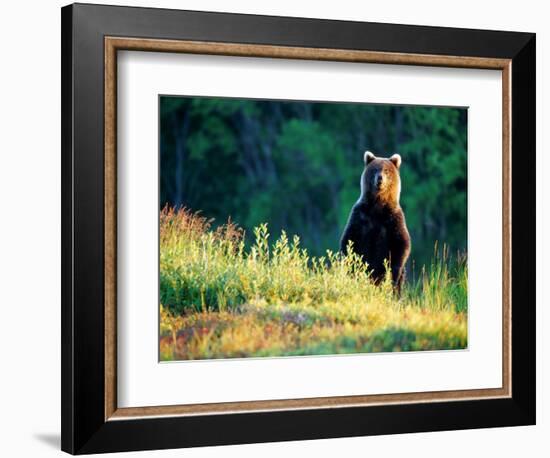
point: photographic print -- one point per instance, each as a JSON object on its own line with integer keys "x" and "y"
{"x": 297, "y": 228}
{"x": 268, "y": 223}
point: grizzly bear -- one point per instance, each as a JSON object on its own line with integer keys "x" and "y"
{"x": 376, "y": 224}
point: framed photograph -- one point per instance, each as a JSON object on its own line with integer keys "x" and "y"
{"x": 283, "y": 228}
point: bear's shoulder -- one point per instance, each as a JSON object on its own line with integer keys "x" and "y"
{"x": 360, "y": 208}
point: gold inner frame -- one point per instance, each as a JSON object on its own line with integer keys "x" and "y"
{"x": 114, "y": 44}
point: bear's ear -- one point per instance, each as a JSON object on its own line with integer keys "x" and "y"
{"x": 368, "y": 157}
{"x": 396, "y": 159}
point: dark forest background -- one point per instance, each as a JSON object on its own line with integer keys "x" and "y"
{"x": 297, "y": 165}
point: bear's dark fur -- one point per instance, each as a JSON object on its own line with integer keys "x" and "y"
{"x": 376, "y": 224}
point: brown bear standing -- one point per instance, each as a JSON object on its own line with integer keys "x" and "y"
{"x": 376, "y": 224}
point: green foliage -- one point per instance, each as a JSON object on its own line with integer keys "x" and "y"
{"x": 221, "y": 299}
{"x": 297, "y": 165}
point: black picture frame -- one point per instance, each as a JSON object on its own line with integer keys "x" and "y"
{"x": 84, "y": 428}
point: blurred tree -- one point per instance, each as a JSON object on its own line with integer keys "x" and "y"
{"x": 296, "y": 165}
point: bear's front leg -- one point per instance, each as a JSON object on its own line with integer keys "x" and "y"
{"x": 400, "y": 248}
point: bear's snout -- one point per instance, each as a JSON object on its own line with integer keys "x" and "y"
{"x": 378, "y": 179}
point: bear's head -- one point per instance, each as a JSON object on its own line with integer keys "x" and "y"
{"x": 380, "y": 180}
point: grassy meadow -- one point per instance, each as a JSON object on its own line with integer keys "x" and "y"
{"x": 223, "y": 298}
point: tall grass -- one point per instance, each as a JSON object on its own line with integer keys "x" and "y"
{"x": 220, "y": 299}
